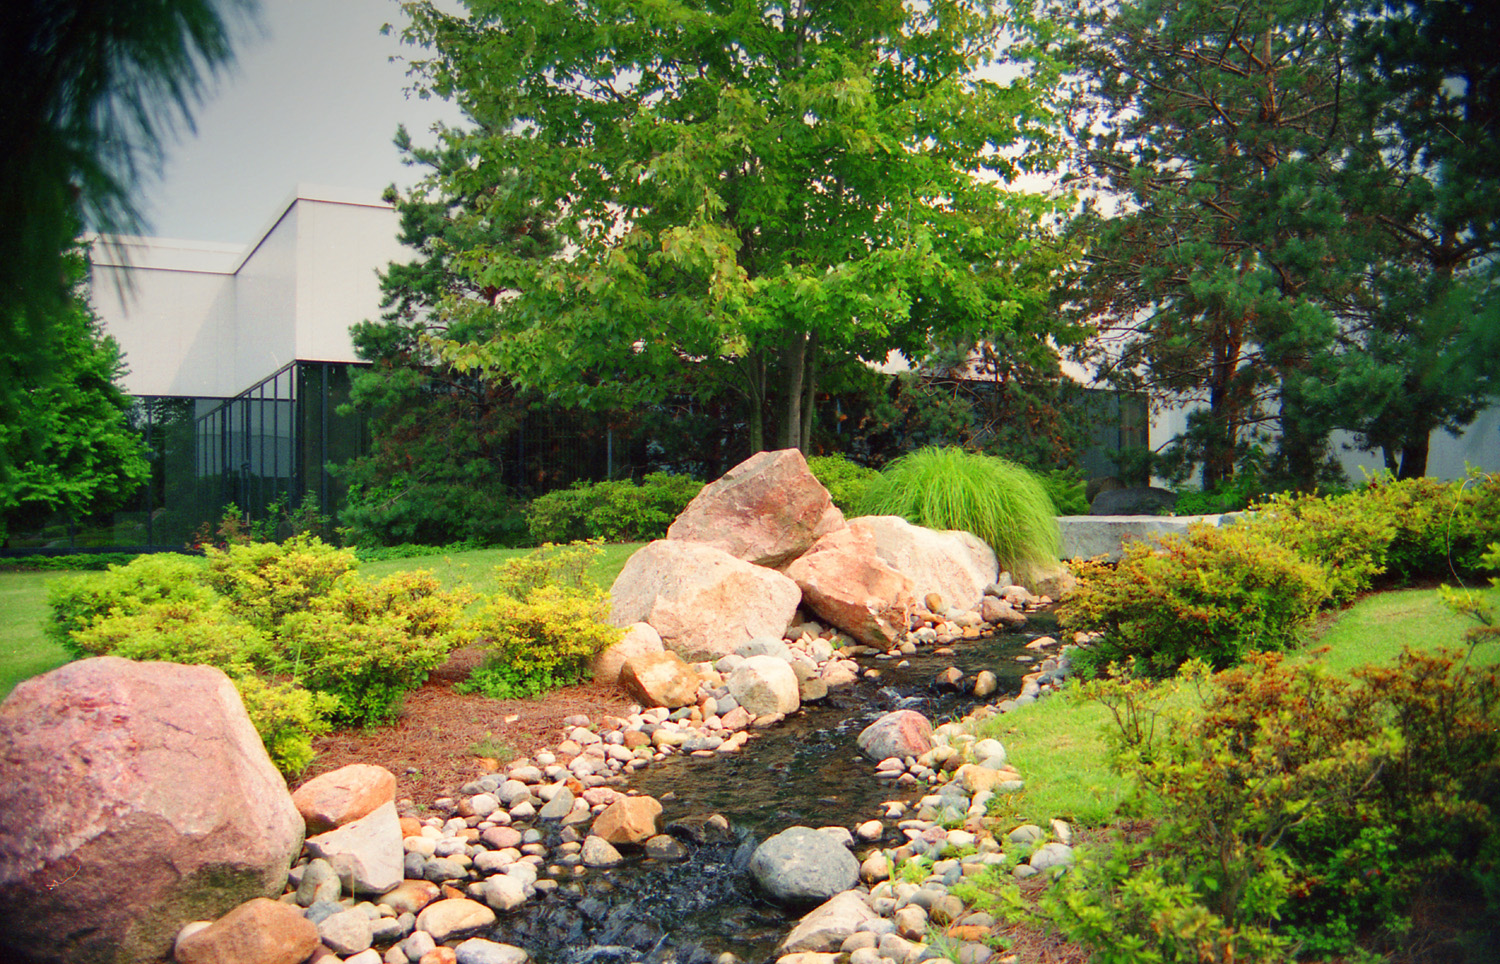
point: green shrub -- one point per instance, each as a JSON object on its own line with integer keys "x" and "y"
{"x": 998, "y": 501}
{"x": 845, "y": 481}
{"x": 618, "y": 511}
{"x": 1067, "y": 490}
{"x": 265, "y": 582}
{"x": 1346, "y": 534}
{"x": 1442, "y": 528}
{"x": 1215, "y": 594}
{"x": 287, "y": 717}
{"x": 544, "y": 627}
{"x": 75, "y": 602}
{"x": 72, "y": 562}
{"x": 368, "y": 644}
{"x": 177, "y": 631}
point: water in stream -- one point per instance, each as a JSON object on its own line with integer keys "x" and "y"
{"x": 806, "y": 771}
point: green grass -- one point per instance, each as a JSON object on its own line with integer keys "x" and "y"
{"x": 1059, "y": 749}
{"x": 27, "y": 652}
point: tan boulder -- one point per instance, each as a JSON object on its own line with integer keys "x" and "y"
{"x": 702, "y": 601}
{"x": 954, "y": 565}
{"x": 660, "y": 679}
{"x": 765, "y": 685}
{"x": 845, "y": 583}
{"x": 259, "y": 931}
{"x": 343, "y": 795}
{"x": 767, "y": 510}
{"x": 454, "y": 917}
{"x": 410, "y": 896}
{"x": 639, "y": 640}
{"x": 134, "y": 799}
{"x": 629, "y": 820}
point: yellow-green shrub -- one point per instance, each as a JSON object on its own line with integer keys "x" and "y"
{"x": 545, "y": 626}
{"x": 1344, "y": 534}
{"x": 177, "y": 631}
{"x": 75, "y": 602}
{"x": 1442, "y": 528}
{"x": 287, "y": 717}
{"x": 264, "y": 582}
{"x": 1215, "y": 594}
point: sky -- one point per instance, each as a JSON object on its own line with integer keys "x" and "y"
{"x": 312, "y": 99}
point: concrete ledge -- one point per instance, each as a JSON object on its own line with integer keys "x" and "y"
{"x": 1086, "y": 536}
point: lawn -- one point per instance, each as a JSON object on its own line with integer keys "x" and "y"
{"x": 1058, "y": 747}
{"x": 27, "y": 651}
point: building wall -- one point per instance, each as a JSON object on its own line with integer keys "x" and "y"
{"x": 204, "y": 319}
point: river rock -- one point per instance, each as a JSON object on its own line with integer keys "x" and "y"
{"x": 477, "y": 950}
{"x": 344, "y": 795}
{"x": 259, "y": 931}
{"x": 347, "y": 932}
{"x": 803, "y": 865}
{"x": 829, "y": 924}
{"x": 134, "y": 798}
{"x": 639, "y": 640}
{"x": 629, "y": 820}
{"x": 454, "y": 917}
{"x": 900, "y": 734}
{"x": 367, "y": 853}
{"x": 701, "y": 600}
{"x": 319, "y": 882}
{"x": 598, "y": 852}
{"x": 845, "y": 583}
{"x": 504, "y": 892}
{"x": 410, "y": 896}
{"x": 767, "y": 510}
{"x": 1055, "y": 581}
{"x": 1000, "y": 613}
{"x": 764, "y": 685}
{"x": 660, "y": 679}
{"x": 955, "y": 565}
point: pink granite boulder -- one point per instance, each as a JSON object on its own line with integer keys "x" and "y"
{"x": 344, "y": 795}
{"x": 843, "y": 580}
{"x": 134, "y": 798}
{"x": 767, "y": 510}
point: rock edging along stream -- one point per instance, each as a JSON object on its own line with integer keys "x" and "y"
{"x": 559, "y": 858}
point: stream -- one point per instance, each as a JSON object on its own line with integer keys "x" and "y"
{"x": 805, "y": 771}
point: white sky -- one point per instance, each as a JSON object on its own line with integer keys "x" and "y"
{"x": 313, "y": 99}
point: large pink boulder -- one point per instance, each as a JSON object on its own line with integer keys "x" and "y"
{"x": 768, "y": 510}
{"x": 344, "y": 795}
{"x": 845, "y": 583}
{"x": 702, "y": 601}
{"x": 900, "y": 734}
{"x": 955, "y": 565}
{"x": 134, "y": 798}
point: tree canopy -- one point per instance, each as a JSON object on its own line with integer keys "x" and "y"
{"x": 759, "y": 192}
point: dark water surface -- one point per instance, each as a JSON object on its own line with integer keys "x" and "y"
{"x": 806, "y": 771}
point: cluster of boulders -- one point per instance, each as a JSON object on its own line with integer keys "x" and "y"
{"x": 766, "y": 539}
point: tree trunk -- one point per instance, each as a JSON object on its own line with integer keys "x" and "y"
{"x": 796, "y": 371}
{"x": 810, "y": 394}
{"x": 1414, "y": 456}
{"x": 755, "y": 395}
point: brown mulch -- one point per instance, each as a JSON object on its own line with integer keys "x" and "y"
{"x": 434, "y": 746}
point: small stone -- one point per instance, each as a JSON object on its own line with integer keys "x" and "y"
{"x": 598, "y": 852}
{"x": 870, "y": 830}
{"x": 477, "y": 950}
{"x": 453, "y": 917}
{"x": 666, "y": 847}
{"x": 347, "y": 932}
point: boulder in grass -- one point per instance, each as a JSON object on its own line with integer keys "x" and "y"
{"x": 702, "y": 601}
{"x": 341, "y": 796}
{"x": 899, "y": 734}
{"x": 767, "y": 510}
{"x": 955, "y": 565}
{"x": 134, "y": 798}
{"x": 843, "y": 580}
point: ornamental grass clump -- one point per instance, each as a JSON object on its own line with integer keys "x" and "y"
{"x": 996, "y": 500}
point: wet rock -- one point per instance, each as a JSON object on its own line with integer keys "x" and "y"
{"x": 701, "y": 600}
{"x": 900, "y": 734}
{"x": 477, "y": 950}
{"x": 598, "y": 852}
{"x": 333, "y": 799}
{"x": 367, "y": 853}
{"x": 629, "y": 820}
{"x": 845, "y": 583}
{"x": 802, "y": 865}
{"x": 662, "y": 679}
{"x": 985, "y": 684}
{"x": 666, "y": 847}
{"x": 134, "y": 798}
{"x": 764, "y": 685}
{"x": 1000, "y": 613}
{"x": 949, "y": 679}
{"x": 454, "y": 917}
{"x": 504, "y": 892}
{"x": 767, "y": 510}
{"x": 259, "y": 931}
